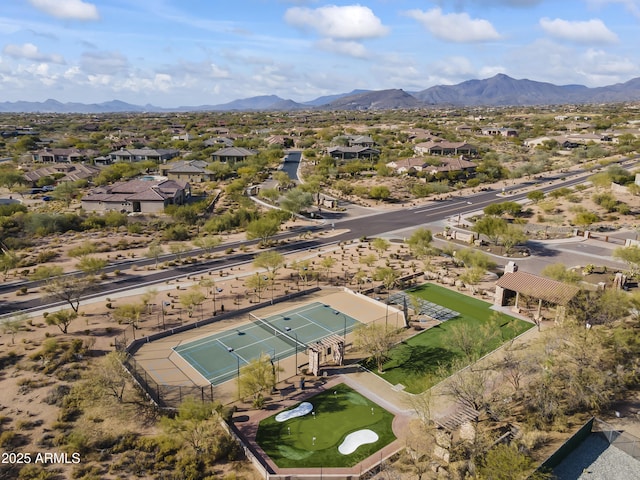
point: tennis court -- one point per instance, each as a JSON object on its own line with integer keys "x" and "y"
{"x": 219, "y": 357}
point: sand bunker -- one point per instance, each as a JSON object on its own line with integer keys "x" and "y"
{"x": 303, "y": 409}
{"x": 355, "y": 439}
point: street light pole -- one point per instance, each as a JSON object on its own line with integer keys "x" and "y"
{"x": 230, "y": 350}
{"x": 344, "y": 333}
{"x": 288, "y": 329}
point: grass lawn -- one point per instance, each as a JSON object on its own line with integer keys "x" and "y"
{"x": 415, "y": 363}
{"x": 338, "y": 412}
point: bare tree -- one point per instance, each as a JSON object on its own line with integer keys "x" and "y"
{"x": 68, "y": 289}
{"x": 376, "y": 340}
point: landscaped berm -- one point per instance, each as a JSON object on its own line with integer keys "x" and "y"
{"x": 336, "y": 428}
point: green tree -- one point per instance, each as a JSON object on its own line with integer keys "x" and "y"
{"x": 62, "y": 319}
{"x": 129, "y": 313}
{"x": 46, "y": 272}
{"x": 420, "y": 243}
{"x": 191, "y": 299}
{"x": 559, "y": 272}
{"x": 380, "y": 192}
{"x": 296, "y": 201}
{"x": 327, "y": 264}
{"x": 13, "y": 325}
{"x": 380, "y": 245}
{"x": 258, "y": 283}
{"x": 491, "y": 227}
{"x": 535, "y": 196}
{"x": 471, "y": 258}
{"x": 629, "y": 255}
{"x": 91, "y": 265}
{"x": 154, "y": 252}
{"x": 257, "y": 377}
{"x": 584, "y": 219}
{"x": 66, "y": 192}
{"x": 511, "y": 236}
{"x": 506, "y": 462}
{"x": 207, "y": 242}
{"x": 263, "y": 229}
{"x": 270, "y": 260}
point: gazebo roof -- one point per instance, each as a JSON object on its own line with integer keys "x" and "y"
{"x": 538, "y": 287}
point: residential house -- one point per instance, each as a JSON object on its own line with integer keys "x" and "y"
{"x": 355, "y": 140}
{"x": 448, "y": 165}
{"x": 159, "y": 155}
{"x": 215, "y": 141}
{"x": 348, "y": 153}
{"x": 502, "y": 132}
{"x": 572, "y": 140}
{"x": 408, "y": 165}
{"x": 232, "y": 154}
{"x": 192, "y": 171}
{"x": 60, "y": 155}
{"x": 445, "y": 148}
{"x": 281, "y": 140}
{"x": 63, "y": 173}
{"x": 144, "y": 196}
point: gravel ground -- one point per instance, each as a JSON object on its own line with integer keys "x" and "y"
{"x": 595, "y": 459}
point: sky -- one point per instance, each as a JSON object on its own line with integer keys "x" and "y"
{"x": 172, "y": 53}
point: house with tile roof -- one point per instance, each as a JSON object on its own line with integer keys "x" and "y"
{"x": 191, "y": 171}
{"x": 445, "y": 148}
{"x": 454, "y": 164}
{"x": 406, "y": 165}
{"x": 348, "y": 153}
{"x": 60, "y": 155}
{"x": 158, "y": 155}
{"x": 69, "y": 172}
{"x": 140, "y": 196}
{"x": 232, "y": 154}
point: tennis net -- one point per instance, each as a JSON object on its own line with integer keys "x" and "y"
{"x": 276, "y": 333}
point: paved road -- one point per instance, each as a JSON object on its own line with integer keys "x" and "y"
{"x": 375, "y": 223}
{"x": 291, "y": 164}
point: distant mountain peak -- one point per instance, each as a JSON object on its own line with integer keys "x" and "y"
{"x": 499, "y": 90}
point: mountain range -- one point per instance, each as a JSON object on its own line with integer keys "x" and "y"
{"x": 500, "y": 90}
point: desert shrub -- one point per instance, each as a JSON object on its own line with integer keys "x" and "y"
{"x": 177, "y": 233}
{"x": 8, "y": 439}
{"x": 37, "y": 472}
{"x": 56, "y": 395}
{"x": 84, "y": 249}
{"x": 46, "y": 256}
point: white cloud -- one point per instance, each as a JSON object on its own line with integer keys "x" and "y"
{"x": 455, "y": 27}
{"x": 29, "y": 51}
{"x": 350, "y": 48}
{"x": 67, "y": 9}
{"x": 585, "y": 32}
{"x": 350, "y": 22}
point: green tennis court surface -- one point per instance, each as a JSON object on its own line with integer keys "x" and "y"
{"x": 219, "y": 357}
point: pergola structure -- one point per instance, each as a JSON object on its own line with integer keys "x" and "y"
{"x": 333, "y": 345}
{"x": 534, "y": 286}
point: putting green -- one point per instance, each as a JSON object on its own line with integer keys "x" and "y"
{"x": 313, "y": 440}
